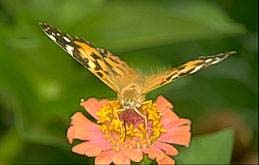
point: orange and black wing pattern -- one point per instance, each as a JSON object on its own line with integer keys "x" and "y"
{"x": 109, "y": 68}
{"x": 155, "y": 81}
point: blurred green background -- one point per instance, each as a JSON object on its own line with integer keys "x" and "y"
{"x": 41, "y": 86}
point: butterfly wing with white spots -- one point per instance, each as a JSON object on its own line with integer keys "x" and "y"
{"x": 155, "y": 81}
{"x": 116, "y": 74}
{"x": 109, "y": 68}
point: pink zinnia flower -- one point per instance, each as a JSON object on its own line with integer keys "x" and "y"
{"x": 120, "y": 137}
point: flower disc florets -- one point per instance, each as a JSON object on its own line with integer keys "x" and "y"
{"x": 126, "y": 128}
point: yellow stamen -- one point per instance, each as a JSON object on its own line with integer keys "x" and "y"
{"x": 126, "y": 129}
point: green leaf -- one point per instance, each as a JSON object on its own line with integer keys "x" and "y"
{"x": 10, "y": 144}
{"x": 214, "y": 148}
{"x": 127, "y": 26}
{"x": 124, "y": 26}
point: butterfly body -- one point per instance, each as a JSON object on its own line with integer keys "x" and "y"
{"x": 129, "y": 85}
{"x": 131, "y": 97}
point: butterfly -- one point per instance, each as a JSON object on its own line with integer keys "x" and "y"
{"x": 129, "y": 85}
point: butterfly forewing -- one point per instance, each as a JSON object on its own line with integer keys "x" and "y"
{"x": 115, "y": 73}
{"x": 155, "y": 81}
{"x": 109, "y": 68}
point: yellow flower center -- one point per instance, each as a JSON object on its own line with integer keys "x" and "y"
{"x": 127, "y": 128}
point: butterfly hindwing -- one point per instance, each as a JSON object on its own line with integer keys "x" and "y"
{"x": 155, "y": 81}
{"x": 103, "y": 64}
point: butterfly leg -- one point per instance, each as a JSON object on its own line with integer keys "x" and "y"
{"x": 122, "y": 128}
{"x": 145, "y": 121}
{"x": 148, "y": 103}
{"x": 143, "y": 116}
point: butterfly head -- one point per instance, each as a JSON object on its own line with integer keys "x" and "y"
{"x": 130, "y": 97}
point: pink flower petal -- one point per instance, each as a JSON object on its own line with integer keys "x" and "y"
{"x": 167, "y": 117}
{"x": 166, "y": 161}
{"x": 134, "y": 154}
{"x": 84, "y": 149}
{"x": 70, "y": 134}
{"x": 104, "y": 157}
{"x": 167, "y": 114}
{"x": 91, "y": 148}
{"x": 180, "y": 122}
{"x": 178, "y": 130}
{"x": 92, "y": 105}
{"x": 83, "y": 129}
{"x": 120, "y": 158}
{"x": 154, "y": 152}
{"x": 167, "y": 148}
{"x": 179, "y": 133}
{"x": 109, "y": 156}
{"x": 163, "y": 103}
{"x": 165, "y": 107}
